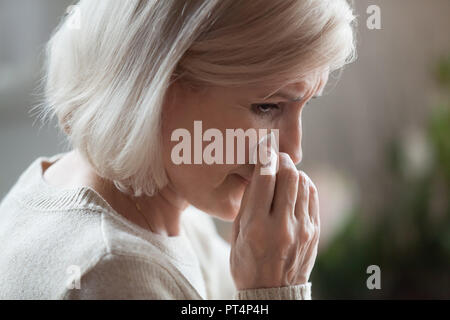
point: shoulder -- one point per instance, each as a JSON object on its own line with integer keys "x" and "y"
{"x": 136, "y": 265}
{"x": 120, "y": 276}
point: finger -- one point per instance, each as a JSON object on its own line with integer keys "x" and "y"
{"x": 305, "y": 239}
{"x": 286, "y": 186}
{"x": 309, "y": 256}
{"x": 302, "y": 204}
{"x": 237, "y": 220}
{"x": 314, "y": 204}
{"x": 309, "y": 237}
{"x": 258, "y": 196}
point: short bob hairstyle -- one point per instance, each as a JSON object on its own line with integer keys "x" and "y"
{"x": 106, "y": 80}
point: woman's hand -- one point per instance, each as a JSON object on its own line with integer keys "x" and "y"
{"x": 276, "y": 233}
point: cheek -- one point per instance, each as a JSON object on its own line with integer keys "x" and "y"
{"x": 211, "y": 179}
{"x": 196, "y": 177}
{"x": 209, "y": 188}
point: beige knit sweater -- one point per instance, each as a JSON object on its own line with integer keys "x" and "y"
{"x": 70, "y": 244}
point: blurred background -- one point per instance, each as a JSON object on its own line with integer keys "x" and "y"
{"x": 377, "y": 145}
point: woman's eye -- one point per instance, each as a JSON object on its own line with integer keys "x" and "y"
{"x": 264, "y": 108}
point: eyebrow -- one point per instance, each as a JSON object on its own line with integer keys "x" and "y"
{"x": 287, "y": 96}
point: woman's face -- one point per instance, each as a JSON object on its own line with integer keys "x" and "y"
{"x": 218, "y": 188}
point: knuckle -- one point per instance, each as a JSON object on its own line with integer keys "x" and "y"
{"x": 289, "y": 172}
{"x": 314, "y": 232}
{"x": 285, "y": 161}
{"x": 284, "y": 158}
{"x": 307, "y": 235}
{"x": 291, "y": 177}
{"x": 305, "y": 176}
{"x": 317, "y": 233}
{"x": 306, "y": 182}
{"x": 303, "y": 179}
{"x": 317, "y": 224}
{"x": 285, "y": 238}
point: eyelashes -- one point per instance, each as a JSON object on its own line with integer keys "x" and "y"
{"x": 271, "y": 109}
{"x": 265, "y": 109}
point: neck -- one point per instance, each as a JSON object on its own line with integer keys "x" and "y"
{"x": 161, "y": 211}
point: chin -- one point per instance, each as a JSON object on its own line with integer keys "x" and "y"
{"x": 223, "y": 202}
{"x": 224, "y": 206}
{"x": 227, "y": 207}
{"x": 226, "y": 213}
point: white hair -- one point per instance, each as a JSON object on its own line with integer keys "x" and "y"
{"x": 106, "y": 81}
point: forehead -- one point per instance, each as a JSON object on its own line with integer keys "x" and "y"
{"x": 312, "y": 83}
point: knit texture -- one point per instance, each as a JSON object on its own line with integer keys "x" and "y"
{"x": 71, "y": 244}
{"x": 299, "y": 292}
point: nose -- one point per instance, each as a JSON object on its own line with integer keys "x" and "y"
{"x": 291, "y": 138}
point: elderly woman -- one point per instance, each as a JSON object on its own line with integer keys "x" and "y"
{"x": 118, "y": 216}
